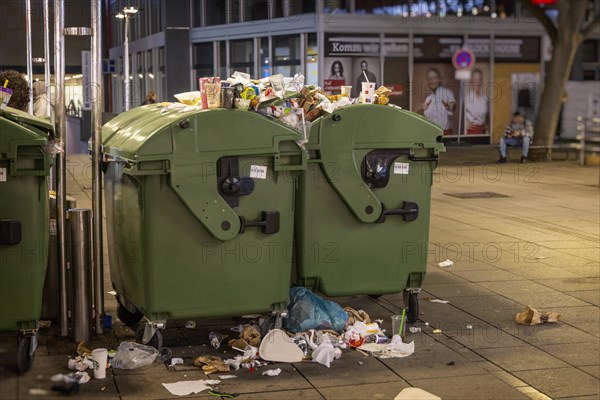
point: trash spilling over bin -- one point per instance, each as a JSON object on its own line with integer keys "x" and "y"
{"x": 24, "y": 225}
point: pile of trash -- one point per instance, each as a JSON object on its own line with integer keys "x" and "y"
{"x": 287, "y": 99}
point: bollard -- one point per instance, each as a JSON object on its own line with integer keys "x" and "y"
{"x": 81, "y": 270}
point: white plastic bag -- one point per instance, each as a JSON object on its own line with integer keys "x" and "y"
{"x": 133, "y": 355}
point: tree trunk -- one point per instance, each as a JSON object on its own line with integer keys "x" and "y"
{"x": 563, "y": 55}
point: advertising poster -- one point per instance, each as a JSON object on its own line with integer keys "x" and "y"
{"x": 351, "y": 60}
{"x": 477, "y": 93}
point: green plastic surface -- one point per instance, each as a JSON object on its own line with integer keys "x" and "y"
{"x": 169, "y": 252}
{"x": 23, "y": 197}
{"x": 340, "y": 247}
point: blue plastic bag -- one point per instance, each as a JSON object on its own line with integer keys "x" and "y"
{"x": 309, "y": 311}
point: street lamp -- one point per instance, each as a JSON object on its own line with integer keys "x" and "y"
{"x": 127, "y": 13}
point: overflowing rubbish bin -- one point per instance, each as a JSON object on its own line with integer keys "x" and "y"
{"x": 200, "y": 213}
{"x": 362, "y": 218}
{"x": 24, "y": 226}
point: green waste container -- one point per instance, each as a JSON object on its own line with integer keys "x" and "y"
{"x": 200, "y": 213}
{"x": 362, "y": 220}
{"x": 24, "y": 224}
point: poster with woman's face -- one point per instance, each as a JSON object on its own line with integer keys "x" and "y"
{"x": 351, "y": 71}
{"x": 477, "y": 100}
{"x": 436, "y": 95}
{"x": 338, "y": 74}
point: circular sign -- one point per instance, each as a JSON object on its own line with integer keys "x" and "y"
{"x": 463, "y": 59}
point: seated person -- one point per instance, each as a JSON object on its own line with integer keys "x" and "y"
{"x": 517, "y": 134}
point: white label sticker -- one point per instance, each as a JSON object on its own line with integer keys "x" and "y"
{"x": 2, "y": 174}
{"x": 53, "y": 227}
{"x": 401, "y": 168}
{"x": 258, "y": 171}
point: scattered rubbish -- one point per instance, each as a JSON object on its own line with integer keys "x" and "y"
{"x": 437, "y": 331}
{"x": 190, "y": 324}
{"x": 272, "y": 372}
{"x": 360, "y": 315}
{"x": 395, "y": 349}
{"x": 398, "y": 323}
{"x": 379, "y": 321}
{"x": 74, "y": 377}
{"x": 439, "y": 301}
{"x": 360, "y": 362}
{"x": 532, "y": 316}
{"x": 426, "y": 323}
{"x": 176, "y": 361}
{"x": 80, "y": 363}
{"x": 249, "y": 336}
{"x": 215, "y": 339}
{"x": 38, "y": 392}
{"x": 414, "y": 329}
{"x": 251, "y": 316}
{"x": 211, "y": 364}
{"x": 413, "y": 393}
{"x": 540, "y": 257}
{"x": 134, "y": 355}
{"x": 223, "y": 395}
{"x": 277, "y": 346}
{"x": 82, "y": 350}
{"x": 100, "y": 359}
{"x": 325, "y": 353}
{"x": 184, "y": 388}
{"x": 44, "y": 324}
{"x": 224, "y": 377}
{"x": 450, "y": 363}
{"x": 67, "y": 389}
{"x": 247, "y": 360}
{"x": 446, "y": 264}
{"x": 112, "y": 292}
{"x": 469, "y": 326}
{"x": 238, "y": 328}
{"x": 309, "y": 311}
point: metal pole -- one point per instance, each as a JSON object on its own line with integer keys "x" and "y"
{"x": 126, "y": 62}
{"x": 47, "y": 59}
{"x": 97, "y": 103}
{"x": 81, "y": 262}
{"x": 61, "y": 164}
{"x": 29, "y": 56}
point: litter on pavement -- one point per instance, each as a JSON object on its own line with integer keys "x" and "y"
{"x": 532, "y": 316}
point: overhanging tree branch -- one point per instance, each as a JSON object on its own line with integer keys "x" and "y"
{"x": 585, "y": 32}
{"x": 541, "y": 16}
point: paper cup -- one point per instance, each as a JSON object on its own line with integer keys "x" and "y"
{"x": 346, "y": 91}
{"x": 213, "y": 94}
{"x": 5, "y": 95}
{"x": 100, "y": 358}
{"x": 368, "y": 91}
{"x": 396, "y": 321}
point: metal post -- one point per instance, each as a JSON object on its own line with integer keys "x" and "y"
{"x": 97, "y": 103}
{"x": 81, "y": 262}
{"x": 47, "y": 59}
{"x": 29, "y": 55}
{"x": 126, "y": 62}
{"x": 61, "y": 164}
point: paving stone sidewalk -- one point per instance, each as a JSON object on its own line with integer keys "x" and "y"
{"x": 537, "y": 246}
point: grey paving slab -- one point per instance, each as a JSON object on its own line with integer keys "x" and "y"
{"x": 576, "y": 354}
{"x": 589, "y": 296}
{"x": 489, "y": 302}
{"x": 373, "y": 391}
{"x": 488, "y": 276}
{"x": 445, "y": 316}
{"x": 352, "y": 367}
{"x": 516, "y": 287}
{"x": 561, "y": 382}
{"x": 489, "y": 337}
{"x": 547, "y": 300}
{"x": 541, "y": 271}
{"x": 553, "y": 334}
{"x": 149, "y": 386}
{"x": 446, "y": 290}
{"x": 521, "y": 358}
{"x": 593, "y": 328}
{"x": 431, "y": 359}
{"x": 572, "y": 284}
{"x": 307, "y": 394}
{"x": 592, "y": 254}
{"x": 593, "y": 370}
{"x": 468, "y": 387}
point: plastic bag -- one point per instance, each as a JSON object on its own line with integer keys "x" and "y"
{"x": 309, "y": 311}
{"x": 133, "y": 355}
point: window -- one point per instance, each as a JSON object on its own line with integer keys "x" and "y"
{"x": 241, "y": 56}
{"x": 337, "y": 6}
{"x": 264, "y": 57}
{"x": 223, "y": 72}
{"x": 389, "y": 7}
{"x": 312, "y": 65}
{"x": 215, "y": 12}
{"x": 286, "y": 55}
{"x": 256, "y": 10}
{"x": 203, "y": 59}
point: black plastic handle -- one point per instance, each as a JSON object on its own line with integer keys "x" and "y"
{"x": 413, "y": 158}
{"x": 409, "y": 212}
{"x": 269, "y": 223}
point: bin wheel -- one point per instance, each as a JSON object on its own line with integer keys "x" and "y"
{"x": 127, "y": 317}
{"x": 24, "y": 354}
{"x": 156, "y": 341}
{"x": 411, "y": 302}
